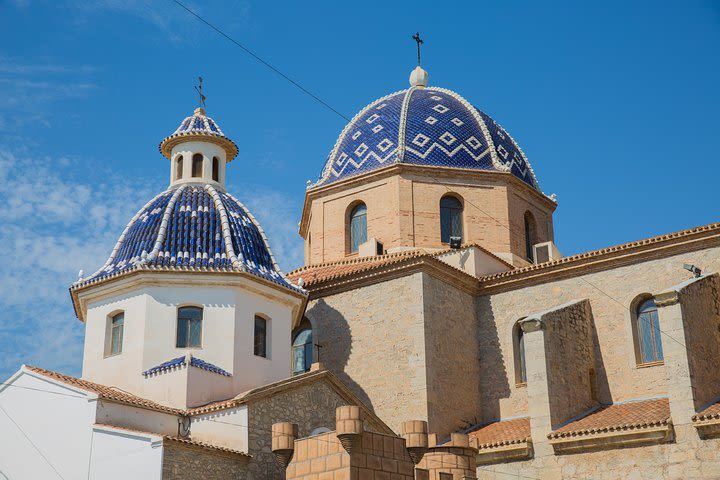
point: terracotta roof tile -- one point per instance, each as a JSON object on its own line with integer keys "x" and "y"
{"x": 673, "y": 237}
{"x": 504, "y": 432}
{"x": 104, "y": 391}
{"x": 313, "y": 274}
{"x": 710, "y": 413}
{"x": 321, "y": 272}
{"x": 618, "y": 416}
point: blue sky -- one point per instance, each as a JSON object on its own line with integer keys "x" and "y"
{"x": 614, "y": 103}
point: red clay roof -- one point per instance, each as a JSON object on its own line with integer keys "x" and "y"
{"x": 313, "y": 274}
{"x": 504, "y": 432}
{"x": 104, "y": 391}
{"x": 618, "y": 416}
{"x": 710, "y": 413}
{"x": 321, "y": 272}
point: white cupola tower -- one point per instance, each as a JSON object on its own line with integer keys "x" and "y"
{"x": 198, "y": 151}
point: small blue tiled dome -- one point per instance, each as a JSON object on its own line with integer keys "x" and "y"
{"x": 424, "y": 126}
{"x": 193, "y": 227}
{"x": 198, "y": 126}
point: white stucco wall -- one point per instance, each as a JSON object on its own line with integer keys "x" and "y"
{"x": 227, "y": 428}
{"x": 208, "y": 151}
{"x": 127, "y": 416}
{"x": 149, "y": 338}
{"x": 122, "y": 455}
{"x": 45, "y": 429}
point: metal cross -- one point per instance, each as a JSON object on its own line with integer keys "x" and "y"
{"x": 419, "y": 42}
{"x": 199, "y": 90}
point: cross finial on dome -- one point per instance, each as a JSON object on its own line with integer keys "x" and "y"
{"x": 202, "y": 97}
{"x": 418, "y": 77}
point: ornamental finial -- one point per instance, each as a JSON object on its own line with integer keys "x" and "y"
{"x": 198, "y": 88}
{"x": 418, "y": 77}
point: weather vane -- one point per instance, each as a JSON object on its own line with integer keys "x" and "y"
{"x": 419, "y": 42}
{"x": 199, "y": 90}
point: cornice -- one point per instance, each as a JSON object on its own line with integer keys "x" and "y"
{"x": 663, "y": 246}
{"x": 149, "y": 275}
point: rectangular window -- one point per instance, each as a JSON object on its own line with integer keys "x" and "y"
{"x": 189, "y": 327}
{"x": 260, "y": 337}
{"x": 117, "y": 324}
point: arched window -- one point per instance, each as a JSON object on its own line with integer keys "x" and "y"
{"x": 189, "y": 327}
{"x": 520, "y": 365}
{"x": 530, "y": 235}
{"x": 260, "y": 337}
{"x": 302, "y": 347}
{"x": 178, "y": 167}
{"x": 117, "y": 326}
{"x": 450, "y": 218}
{"x": 647, "y": 330}
{"x": 216, "y": 169}
{"x": 197, "y": 163}
{"x": 358, "y": 227}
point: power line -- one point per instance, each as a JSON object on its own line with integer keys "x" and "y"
{"x": 303, "y": 89}
{"x": 259, "y": 59}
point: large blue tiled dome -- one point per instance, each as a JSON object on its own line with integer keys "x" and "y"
{"x": 192, "y": 227}
{"x": 424, "y": 126}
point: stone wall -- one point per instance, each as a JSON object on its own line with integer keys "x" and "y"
{"x": 376, "y": 345}
{"x": 378, "y": 457}
{"x": 569, "y": 359}
{"x": 692, "y": 459}
{"x": 610, "y": 294}
{"x": 699, "y": 302}
{"x": 451, "y": 356}
{"x": 190, "y": 462}
{"x": 310, "y": 406}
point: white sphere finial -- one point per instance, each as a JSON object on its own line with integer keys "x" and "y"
{"x": 418, "y": 77}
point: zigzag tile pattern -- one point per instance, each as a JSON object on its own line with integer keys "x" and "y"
{"x": 438, "y": 128}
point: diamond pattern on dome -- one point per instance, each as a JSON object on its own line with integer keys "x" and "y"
{"x": 446, "y": 143}
{"x": 362, "y": 146}
{"x": 439, "y": 128}
{"x": 193, "y": 227}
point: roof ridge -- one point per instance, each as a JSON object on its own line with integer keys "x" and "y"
{"x": 357, "y": 260}
{"x": 605, "y": 250}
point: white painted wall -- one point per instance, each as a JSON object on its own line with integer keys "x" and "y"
{"x": 473, "y": 261}
{"x": 45, "y": 429}
{"x": 127, "y": 416}
{"x": 122, "y": 455}
{"x": 227, "y": 339}
{"x": 227, "y": 428}
{"x": 208, "y": 151}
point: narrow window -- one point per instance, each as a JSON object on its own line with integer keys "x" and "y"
{"x": 189, "y": 327}
{"x": 520, "y": 367}
{"x": 530, "y": 235}
{"x": 216, "y": 169}
{"x": 179, "y": 167}
{"x": 648, "y": 332}
{"x": 450, "y": 218}
{"x": 117, "y": 325}
{"x": 358, "y": 227}
{"x": 197, "y": 165}
{"x": 260, "y": 336}
{"x": 302, "y": 347}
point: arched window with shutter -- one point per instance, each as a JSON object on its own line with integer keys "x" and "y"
{"x": 197, "y": 164}
{"x": 357, "y": 228}
{"x": 451, "y": 221}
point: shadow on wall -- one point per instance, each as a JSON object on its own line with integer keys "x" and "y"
{"x": 332, "y": 332}
{"x": 493, "y": 372}
{"x": 602, "y": 387}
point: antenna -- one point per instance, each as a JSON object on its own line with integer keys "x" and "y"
{"x": 198, "y": 88}
{"x": 419, "y": 42}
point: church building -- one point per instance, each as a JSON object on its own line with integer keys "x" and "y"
{"x": 434, "y": 332}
